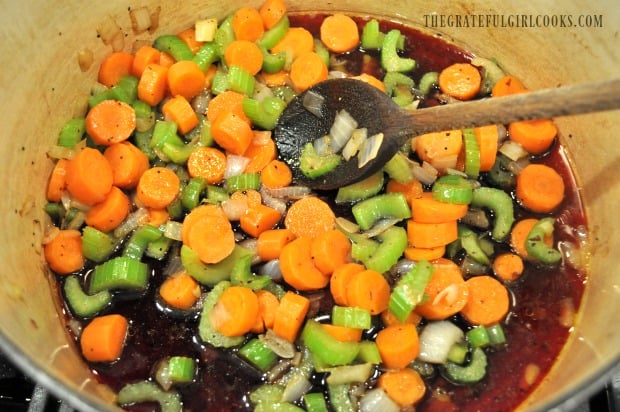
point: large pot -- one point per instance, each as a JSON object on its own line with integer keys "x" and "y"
{"x": 43, "y": 86}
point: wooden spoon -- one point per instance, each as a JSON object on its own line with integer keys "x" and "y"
{"x": 375, "y": 111}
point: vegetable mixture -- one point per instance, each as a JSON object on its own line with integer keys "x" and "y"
{"x": 198, "y": 275}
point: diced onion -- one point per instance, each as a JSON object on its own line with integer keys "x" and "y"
{"x": 135, "y": 219}
{"x": 271, "y": 269}
{"x": 140, "y": 19}
{"x": 515, "y": 167}
{"x": 436, "y": 339}
{"x": 445, "y": 162}
{"x": 278, "y": 345}
{"x": 512, "y": 150}
{"x": 322, "y": 145}
{"x": 296, "y": 387}
{"x": 426, "y": 175}
{"x": 349, "y": 374}
{"x": 60, "y": 152}
{"x": 273, "y": 202}
{"x": 402, "y": 266}
{"x": 108, "y": 30}
{"x": 50, "y": 234}
{"x": 118, "y": 42}
{"x": 172, "y": 230}
{"x": 205, "y": 29}
{"x": 369, "y": 149}
{"x": 235, "y": 165}
{"x": 85, "y": 59}
{"x": 337, "y": 74}
{"x": 234, "y": 208}
{"x": 358, "y": 137}
{"x": 313, "y": 102}
{"x": 289, "y": 192}
{"x": 347, "y": 225}
{"x": 341, "y": 130}
{"x": 381, "y": 226}
{"x": 377, "y": 400}
{"x": 201, "y": 101}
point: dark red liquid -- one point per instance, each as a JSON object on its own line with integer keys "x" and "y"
{"x": 535, "y": 336}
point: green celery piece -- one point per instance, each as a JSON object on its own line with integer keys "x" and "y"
{"x": 327, "y": 348}
{"x": 368, "y": 352}
{"x": 390, "y": 60}
{"x": 398, "y": 168}
{"x": 501, "y": 204}
{"x": 80, "y": 303}
{"x": 190, "y": 197}
{"x": 339, "y": 398}
{"x": 351, "y": 317}
{"x": 470, "y": 242}
{"x": 97, "y": 245}
{"x": 472, "y": 153}
{"x": 409, "y": 290}
{"x": 535, "y": 242}
{"x": 313, "y": 165}
{"x": 427, "y": 82}
{"x": 206, "y": 55}
{"x": 392, "y": 244}
{"x": 478, "y": 337}
{"x": 174, "y": 46}
{"x": 315, "y": 402}
{"x": 119, "y": 273}
{"x": 139, "y": 240}
{"x": 387, "y": 205}
{"x": 147, "y": 391}
{"x": 272, "y": 36}
{"x": 372, "y": 37}
{"x": 72, "y": 132}
{"x": 210, "y": 274}
{"x": 361, "y": 190}
{"x": 241, "y": 275}
{"x": 453, "y": 189}
{"x": 175, "y": 370}
{"x": 470, "y": 373}
{"x": 243, "y": 181}
{"x": 258, "y": 354}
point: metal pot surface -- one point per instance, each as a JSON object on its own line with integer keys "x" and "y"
{"x": 42, "y": 86}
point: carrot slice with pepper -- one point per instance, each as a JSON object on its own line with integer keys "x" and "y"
{"x": 235, "y": 312}
{"x": 340, "y": 280}
{"x": 111, "y": 121}
{"x": 488, "y": 301}
{"x": 431, "y": 235}
{"x": 158, "y": 187}
{"x": 258, "y": 219}
{"x": 208, "y": 163}
{"x": 227, "y": 101}
{"x": 89, "y": 176}
{"x": 232, "y": 132}
{"x": 339, "y": 33}
{"x": 426, "y": 209}
{"x": 412, "y": 190}
{"x": 114, "y": 66}
{"x": 487, "y": 138}
{"x": 518, "y": 237}
{"x": 109, "y": 213}
{"x": 369, "y": 290}
{"x": 180, "y": 291}
{"x": 420, "y": 253}
{"x": 290, "y": 315}
{"x": 247, "y": 24}
{"x": 245, "y": 54}
{"x": 144, "y": 56}
{"x": 267, "y": 307}
{"x": 540, "y": 188}
{"x": 127, "y": 162}
{"x": 404, "y": 386}
{"x": 57, "y": 182}
{"x": 271, "y": 12}
{"x": 508, "y": 266}
{"x": 189, "y": 37}
{"x": 296, "y": 41}
{"x": 207, "y": 231}
{"x": 446, "y": 290}
{"x": 270, "y": 243}
{"x": 307, "y": 70}
{"x": 261, "y": 151}
{"x": 298, "y": 269}
{"x": 276, "y": 174}
{"x": 460, "y": 80}
{"x": 508, "y": 84}
{"x": 153, "y": 83}
{"x": 185, "y": 78}
{"x": 180, "y": 111}
{"x": 309, "y": 216}
{"x": 398, "y": 345}
{"x": 433, "y": 146}
{"x": 330, "y": 249}
{"x": 64, "y": 252}
{"x": 103, "y": 339}
{"x": 535, "y": 136}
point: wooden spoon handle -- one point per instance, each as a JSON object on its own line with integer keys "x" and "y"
{"x": 561, "y": 101}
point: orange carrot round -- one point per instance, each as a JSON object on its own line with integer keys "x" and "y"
{"x": 245, "y": 54}
{"x": 389, "y": 319}
{"x": 297, "y": 267}
{"x": 487, "y": 138}
{"x": 232, "y": 132}
{"x": 114, "y": 66}
{"x": 412, "y": 190}
{"x": 189, "y": 37}
{"x": 158, "y": 217}
{"x": 258, "y": 219}
{"x": 369, "y": 290}
{"x": 127, "y": 162}
{"x": 247, "y": 24}
{"x": 460, "y": 80}
{"x": 144, "y": 56}
{"x": 153, "y": 83}
{"x": 540, "y": 188}
{"x": 180, "y": 291}
{"x": 267, "y": 307}
{"x": 307, "y": 70}
{"x": 57, "y": 183}
{"x": 309, "y": 216}
{"x": 296, "y": 41}
{"x": 404, "y": 386}
{"x": 207, "y": 231}
{"x": 227, "y": 101}
{"x": 261, "y": 151}
{"x": 420, "y": 253}
{"x": 103, "y": 339}
{"x": 343, "y": 333}
{"x": 339, "y": 33}
{"x": 290, "y": 315}
{"x": 235, "y": 312}
{"x": 270, "y": 243}
{"x": 109, "y": 213}
{"x": 330, "y": 250}
{"x": 488, "y": 301}
{"x": 508, "y": 84}
{"x": 271, "y": 12}
{"x": 446, "y": 290}
{"x": 518, "y": 237}
{"x": 535, "y": 136}
{"x": 179, "y": 110}
{"x": 158, "y": 187}
{"x": 433, "y": 146}
{"x": 64, "y": 252}
{"x": 340, "y": 280}
{"x": 431, "y": 235}
{"x": 508, "y": 266}
{"x": 398, "y": 345}
{"x": 426, "y": 209}
{"x": 208, "y": 163}
{"x": 276, "y": 174}
{"x": 111, "y": 121}
{"x": 186, "y": 79}
{"x": 372, "y": 80}
{"x": 89, "y": 176}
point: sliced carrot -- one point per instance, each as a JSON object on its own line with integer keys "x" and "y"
{"x": 189, "y": 37}
{"x": 111, "y": 121}
{"x": 446, "y": 290}
{"x": 227, "y": 101}
{"x": 127, "y": 162}
{"x": 309, "y": 216}
{"x": 339, "y": 33}
{"x": 64, "y": 252}
{"x": 307, "y": 70}
{"x": 209, "y": 75}
{"x": 535, "y": 136}
{"x": 280, "y": 78}
{"x": 208, "y": 163}
{"x": 540, "y": 188}
{"x": 267, "y": 307}
{"x": 340, "y": 280}
{"x": 57, "y": 182}
{"x": 433, "y": 146}
{"x": 398, "y": 345}
{"x": 271, "y": 12}
{"x": 261, "y": 151}
{"x": 258, "y": 219}
{"x": 372, "y": 80}
{"x": 252, "y": 197}
{"x": 369, "y": 290}
{"x": 330, "y": 250}
{"x": 235, "y": 312}
{"x": 518, "y": 237}
{"x": 290, "y": 315}
{"x": 487, "y": 138}
{"x": 507, "y": 85}
{"x": 166, "y": 59}
{"x": 488, "y": 301}
{"x": 144, "y": 56}
{"x": 89, "y": 176}
{"x": 103, "y": 339}
{"x": 153, "y": 84}
{"x": 207, "y": 231}
{"x": 404, "y": 386}
{"x": 426, "y": 209}
{"x": 508, "y": 266}
{"x": 343, "y": 333}
{"x": 185, "y": 78}
{"x": 431, "y": 235}
{"x": 232, "y": 132}
{"x": 460, "y": 80}
{"x": 296, "y": 41}
{"x": 114, "y": 66}
{"x": 247, "y": 24}
{"x": 412, "y": 190}
{"x": 109, "y": 213}
{"x": 420, "y": 253}
{"x": 276, "y": 174}
{"x": 297, "y": 267}
{"x": 158, "y": 217}
{"x": 158, "y": 187}
{"x": 389, "y": 319}
{"x": 180, "y": 111}
{"x": 270, "y": 243}
{"x": 245, "y": 54}
{"x": 180, "y": 291}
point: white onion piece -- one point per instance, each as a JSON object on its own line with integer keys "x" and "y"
{"x": 381, "y": 226}
{"x": 296, "y": 387}
{"x": 172, "y": 230}
{"x": 135, "y": 219}
{"x": 205, "y": 29}
{"x": 445, "y": 162}
{"x": 313, "y": 102}
{"x": 261, "y": 91}
{"x": 402, "y": 266}
{"x": 358, "y": 137}
{"x": 50, "y": 234}
{"x": 60, "y": 152}
{"x": 377, "y": 400}
{"x": 424, "y": 174}
{"x": 235, "y": 165}
{"x": 341, "y": 130}
{"x": 369, "y": 149}
{"x": 347, "y": 225}
{"x": 108, "y": 30}
{"x": 281, "y": 347}
{"x": 502, "y": 133}
{"x": 515, "y": 167}
{"x": 349, "y": 373}
{"x": 289, "y": 192}
{"x": 512, "y": 150}
{"x": 140, "y": 19}
{"x": 271, "y": 269}
{"x": 322, "y": 145}
{"x": 436, "y": 339}
{"x": 201, "y": 101}
{"x": 337, "y": 74}
{"x": 234, "y": 208}
{"x": 273, "y": 202}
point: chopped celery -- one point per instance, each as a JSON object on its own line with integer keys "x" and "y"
{"x": 174, "y": 46}
{"x": 216, "y": 194}
{"x": 351, "y": 317}
{"x": 472, "y": 153}
{"x": 206, "y": 331}
{"x": 340, "y": 399}
{"x": 458, "y": 353}
{"x": 272, "y": 36}
{"x": 206, "y": 55}
{"x": 224, "y": 35}
{"x": 392, "y": 245}
{"x": 369, "y": 211}
{"x": 499, "y": 175}
{"x": 362, "y": 248}
{"x": 190, "y": 197}
{"x": 501, "y": 204}
{"x": 268, "y": 398}
{"x": 315, "y": 402}
{"x": 470, "y": 373}
{"x": 535, "y": 242}
{"x": 139, "y": 240}
{"x": 146, "y": 391}
{"x": 72, "y": 132}
{"x": 241, "y": 274}
{"x": 240, "y": 80}
{"x": 165, "y": 131}
{"x": 264, "y": 113}
{"x": 220, "y": 82}
{"x": 471, "y": 244}
{"x": 258, "y": 354}
{"x": 97, "y": 245}
{"x": 175, "y": 370}
{"x": 478, "y": 337}
{"x": 327, "y": 348}
{"x": 313, "y": 165}
{"x": 357, "y": 373}
{"x": 453, "y": 189}
{"x": 157, "y": 249}
{"x": 243, "y": 181}
{"x": 272, "y": 63}
{"x": 390, "y": 60}
{"x": 496, "y": 334}
{"x": 361, "y": 190}
{"x": 369, "y": 352}
{"x": 427, "y": 82}
{"x": 210, "y": 274}
{"x": 126, "y": 90}
{"x": 372, "y": 37}
{"x": 119, "y": 273}
{"x": 399, "y": 168}
{"x": 409, "y": 290}
{"x": 80, "y": 303}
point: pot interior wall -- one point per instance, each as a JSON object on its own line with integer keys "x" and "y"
{"x": 43, "y": 86}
